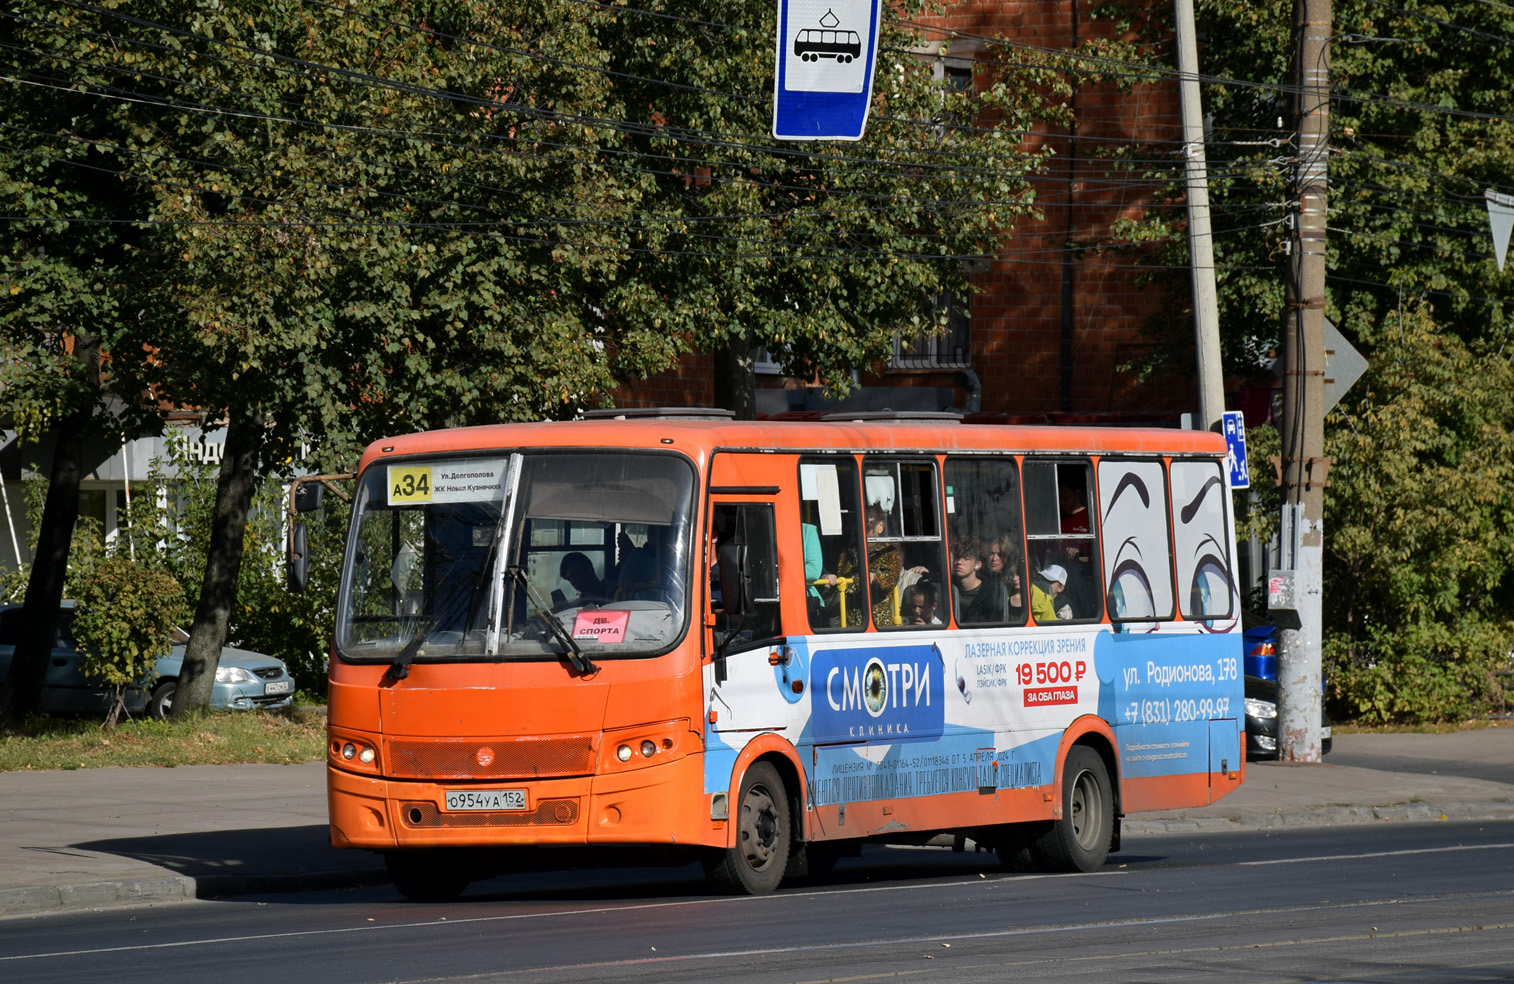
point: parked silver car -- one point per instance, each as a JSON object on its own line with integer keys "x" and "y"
{"x": 244, "y": 679}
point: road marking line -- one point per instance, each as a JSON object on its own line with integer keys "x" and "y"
{"x": 560, "y": 914}
{"x": 1379, "y": 854}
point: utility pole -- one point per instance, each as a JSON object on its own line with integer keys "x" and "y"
{"x": 1296, "y": 587}
{"x": 1206, "y": 312}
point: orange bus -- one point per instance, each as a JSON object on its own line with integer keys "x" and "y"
{"x": 764, "y": 644}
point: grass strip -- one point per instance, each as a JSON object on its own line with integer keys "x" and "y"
{"x": 219, "y": 738}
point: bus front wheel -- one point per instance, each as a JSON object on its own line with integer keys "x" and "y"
{"x": 1079, "y": 841}
{"x": 756, "y": 864}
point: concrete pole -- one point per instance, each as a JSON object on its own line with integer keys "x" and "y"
{"x": 1303, "y": 426}
{"x": 1206, "y": 312}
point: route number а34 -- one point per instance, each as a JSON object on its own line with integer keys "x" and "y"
{"x": 410, "y": 484}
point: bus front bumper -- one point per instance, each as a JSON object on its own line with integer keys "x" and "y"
{"x": 661, "y": 804}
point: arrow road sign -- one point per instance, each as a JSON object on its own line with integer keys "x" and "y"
{"x": 1500, "y": 219}
{"x": 823, "y": 77}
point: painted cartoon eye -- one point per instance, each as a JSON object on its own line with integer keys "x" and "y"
{"x": 1130, "y": 592}
{"x": 1209, "y": 593}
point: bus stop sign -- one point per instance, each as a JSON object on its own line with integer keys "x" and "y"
{"x": 823, "y": 76}
{"x": 1234, "y": 425}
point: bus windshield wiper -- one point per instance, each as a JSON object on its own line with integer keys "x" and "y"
{"x": 400, "y": 668}
{"x": 571, "y": 652}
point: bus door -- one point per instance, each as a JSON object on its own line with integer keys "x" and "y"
{"x": 752, "y": 669}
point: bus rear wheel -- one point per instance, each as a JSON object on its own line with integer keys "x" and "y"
{"x": 755, "y": 866}
{"x": 425, "y": 876}
{"x": 1079, "y": 841}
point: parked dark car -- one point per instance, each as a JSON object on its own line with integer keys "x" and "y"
{"x": 1261, "y": 693}
{"x": 244, "y": 679}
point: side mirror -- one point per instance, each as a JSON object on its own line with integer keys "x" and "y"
{"x": 308, "y": 496}
{"x": 297, "y": 564}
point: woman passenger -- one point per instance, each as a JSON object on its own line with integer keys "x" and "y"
{"x": 883, "y": 567}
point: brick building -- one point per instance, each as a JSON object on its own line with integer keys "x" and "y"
{"x": 1048, "y": 327}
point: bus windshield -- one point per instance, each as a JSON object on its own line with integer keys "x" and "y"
{"x": 468, "y": 558}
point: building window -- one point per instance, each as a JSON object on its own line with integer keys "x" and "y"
{"x": 763, "y": 364}
{"x": 951, "y": 350}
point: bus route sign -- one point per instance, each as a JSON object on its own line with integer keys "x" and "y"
{"x": 823, "y": 76}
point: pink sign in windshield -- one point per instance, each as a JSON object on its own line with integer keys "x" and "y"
{"x": 598, "y": 625}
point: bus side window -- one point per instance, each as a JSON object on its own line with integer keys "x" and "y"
{"x": 831, "y": 524}
{"x": 1137, "y": 559}
{"x": 983, "y": 512}
{"x": 1199, "y": 492}
{"x": 1061, "y": 534}
{"x": 904, "y": 542}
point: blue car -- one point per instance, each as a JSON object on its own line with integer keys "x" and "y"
{"x": 244, "y": 679}
{"x": 1260, "y": 666}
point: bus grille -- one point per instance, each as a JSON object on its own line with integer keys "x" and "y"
{"x": 548, "y": 813}
{"x": 490, "y": 758}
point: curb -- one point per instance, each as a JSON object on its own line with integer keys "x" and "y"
{"x": 38, "y": 899}
{"x": 1322, "y": 817}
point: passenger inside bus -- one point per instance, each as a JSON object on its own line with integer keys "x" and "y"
{"x": 578, "y": 570}
{"x": 920, "y": 604}
{"x": 640, "y": 574}
{"x": 974, "y": 599}
{"x": 1081, "y": 584}
{"x": 1044, "y": 593}
{"x": 883, "y": 567}
{"x": 822, "y": 612}
{"x": 1003, "y": 575}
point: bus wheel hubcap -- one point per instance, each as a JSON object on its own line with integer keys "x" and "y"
{"x": 759, "y": 827}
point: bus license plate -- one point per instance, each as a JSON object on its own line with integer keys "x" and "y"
{"x": 460, "y": 800}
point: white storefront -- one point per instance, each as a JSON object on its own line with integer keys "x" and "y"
{"x": 112, "y": 474}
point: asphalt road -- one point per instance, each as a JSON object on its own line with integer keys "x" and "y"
{"x": 1392, "y": 903}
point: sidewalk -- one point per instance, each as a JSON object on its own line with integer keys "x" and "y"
{"x": 97, "y": 837}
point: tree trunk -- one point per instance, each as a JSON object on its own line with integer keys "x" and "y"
{"x": 22, "y": 693}
{"x": 223, "y": 563}
{"x": 735, "y": 379}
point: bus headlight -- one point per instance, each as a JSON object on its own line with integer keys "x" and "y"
{"x": 649, "y": 744}
{"x": 354, "y": 753}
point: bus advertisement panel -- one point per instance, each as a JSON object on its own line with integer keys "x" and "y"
{"x": 764, "y": 644}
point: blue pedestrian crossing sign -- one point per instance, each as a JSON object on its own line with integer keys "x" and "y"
{"x": 1234, "y": 424}
{"x": 823, "y": 78}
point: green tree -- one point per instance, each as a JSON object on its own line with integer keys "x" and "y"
{"x": 125, "y": 615}
{"x": 1421, "y": 604}
{"x": 1419, "y": 598}
{"x": 168, "y": 527}
{"x": 357, "y": 220}
{"x": 62, "y": 298}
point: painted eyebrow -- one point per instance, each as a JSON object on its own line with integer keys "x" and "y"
{"x": 1130, "y": 480}
{"x": 1190, "y": 510}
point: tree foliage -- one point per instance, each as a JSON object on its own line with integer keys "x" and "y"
{"x": 1419, "y": 598}
{"x": 328, "y": 221}
{"x": 1420, "y": 601}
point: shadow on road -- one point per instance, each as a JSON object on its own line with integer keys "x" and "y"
{"x": 227, "y": 862}
{"x": 291, "y": 861}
